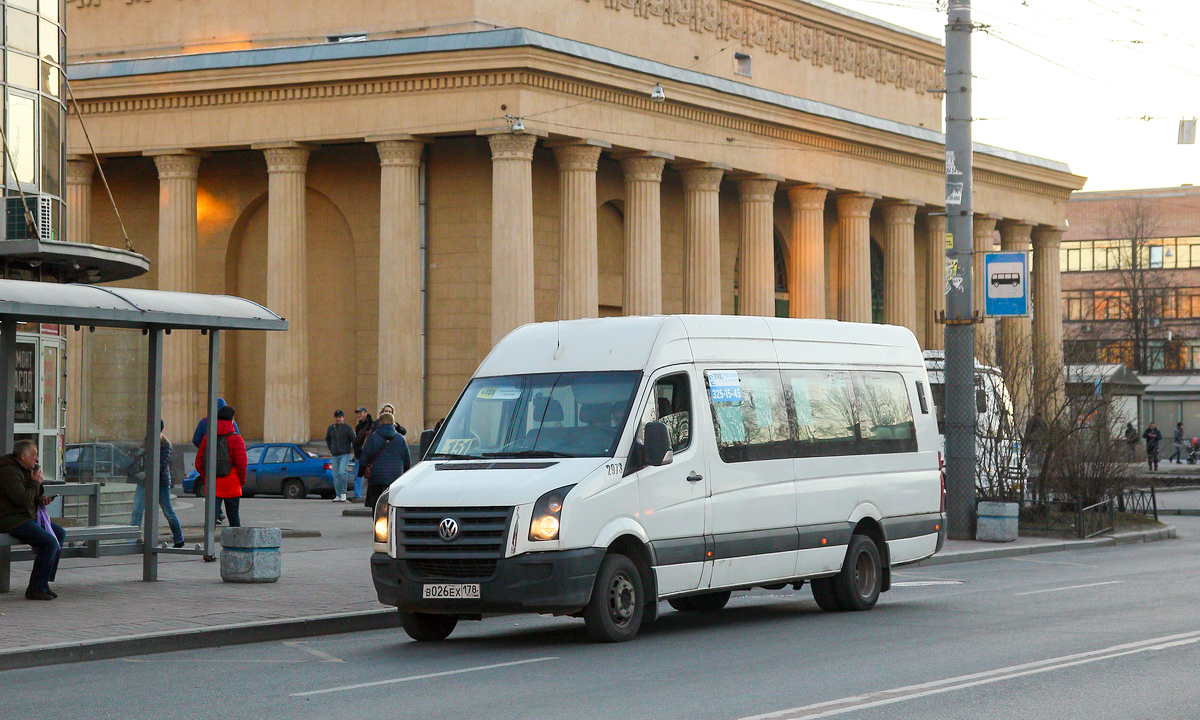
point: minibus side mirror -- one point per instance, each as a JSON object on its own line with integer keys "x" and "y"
{"x": 426, "y": 441}
{"x": 657, "y": 444}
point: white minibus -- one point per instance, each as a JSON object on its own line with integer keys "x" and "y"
{"x": 595, "y": 467}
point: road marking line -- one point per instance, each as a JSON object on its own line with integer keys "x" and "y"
{"x": 427, "y": 676}
{"x": 1069, "y": 587}
{"x": 925, "y": 583}
{"x": 1051, "y": 562}
{"x": 866, "y": 701}
{"x": 303, "y": 645}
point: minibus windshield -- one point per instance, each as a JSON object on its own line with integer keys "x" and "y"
{"x": 551, "y": 415}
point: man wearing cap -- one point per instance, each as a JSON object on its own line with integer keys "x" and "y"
{"x": 362, "y": 431}
{"x": 339, "y": 438}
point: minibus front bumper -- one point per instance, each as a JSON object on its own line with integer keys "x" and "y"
{"x": 558, "y": 582}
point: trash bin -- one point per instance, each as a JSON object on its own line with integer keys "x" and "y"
{"x": 251, "y": 554}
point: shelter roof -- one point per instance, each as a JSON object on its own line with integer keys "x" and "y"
{"x": 131, "y": 307}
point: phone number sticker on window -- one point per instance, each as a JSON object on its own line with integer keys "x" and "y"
{"x": 724, "y": 386}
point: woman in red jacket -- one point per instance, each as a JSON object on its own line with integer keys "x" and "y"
{"x": 229, "y": 486}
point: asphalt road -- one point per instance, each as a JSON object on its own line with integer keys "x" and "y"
{"x": 1106, "y": 633}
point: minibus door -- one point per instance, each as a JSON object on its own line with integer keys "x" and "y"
{"x": 674, "y": 496}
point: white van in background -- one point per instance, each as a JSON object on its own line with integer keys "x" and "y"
{"x": 594, "y": 467}
{"x": 999, "y": 463}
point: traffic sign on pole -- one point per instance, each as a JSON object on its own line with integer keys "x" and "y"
{"x": 1006, "y": 284}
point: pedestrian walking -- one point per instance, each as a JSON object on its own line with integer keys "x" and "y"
{"x": 1131, "y": 438}
{"x": 198, "y": 436}
{"x": 1152, "y": 436}
{"x": 165, "y": 481}
{"x": 1178, "y": 444}
{"x": 390, "y": 408}
{"x": 231, "y": 464}
{"x": 362, "y": 433}
{"x": 339, "y": 438}
{"x": 385, "y": 457}
{"x": 23, "y": 515}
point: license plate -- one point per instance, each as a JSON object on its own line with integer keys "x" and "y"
{"x": 448, "y": 591}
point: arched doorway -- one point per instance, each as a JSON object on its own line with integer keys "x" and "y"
{"x": 876, "y": 282}
{"x": 610, "y": 252}
{"x": 332, "y": 321}
{"x": 782, "y": 299}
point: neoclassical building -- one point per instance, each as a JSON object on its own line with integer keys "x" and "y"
{"x": 407, "y": 181}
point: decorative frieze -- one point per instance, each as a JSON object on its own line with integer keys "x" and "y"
{"x": 754, "y": 25}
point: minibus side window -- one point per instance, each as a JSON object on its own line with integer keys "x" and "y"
{"x": 884, "y": 413}
{"x": 825, "y": 417}
{"x": 670, "y": 403}
{"x": 750, "y": 414}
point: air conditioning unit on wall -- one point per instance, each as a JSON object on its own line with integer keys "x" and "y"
{"x": 43, "y": 217}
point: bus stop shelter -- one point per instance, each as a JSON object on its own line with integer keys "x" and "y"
{"x": 154, "y": 312}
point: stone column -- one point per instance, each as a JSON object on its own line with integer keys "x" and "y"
{"x": 1048, "y": 380}
{"x": 899, "y": 266}
{"x": 1016, "y": 334}
{"x": 286, "y": 397}
{"x": 512, "y": 231}
{"x": 806, "y": 263}
{"x": 935, "y": 281}
{"x": 984, "y": 232}
{"x": 400, "y": 277}
{"x": 756, "y": 286}
{"x": 854, "y": 225}
{"x": 80, "y": 172}
{"x": 702, "y": 239}
{"x": 176, "y": 265}
{"x": 578, "y": 266}
{"x": 643, "y": 234}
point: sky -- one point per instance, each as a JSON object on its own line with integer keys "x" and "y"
{"x": 1068, "y": 80}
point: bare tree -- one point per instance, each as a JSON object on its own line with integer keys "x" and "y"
{"x": 1139, "y": 291}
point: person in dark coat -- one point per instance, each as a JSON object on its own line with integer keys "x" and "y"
{"x": 362, "y": 433}
{"x": 1153, "y": 437}
{"x": 21, "y": 494}
{"x": 164, "y": 490}
{"x": 1178, "y": 445}
{"x": 1131, "y": 437}
{"x": 386, "y": 454}
{"x": 202, "y": 426}
{"x": 339, "y": 438}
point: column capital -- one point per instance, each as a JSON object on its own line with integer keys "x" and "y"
{"x": 176, "y": 164}
{"x": 983, "y": 226}
{"x": 399, "y": 152}
{"x": 701, "y": 178}
{"x": 285, "y": 157}
{"x": 1015, "y": 234}
{"x": 80, "y": 170}
{"x": 808, "y": 197}
{"x": 936, "y": 222}
{"x": 1048, "y": 236}
{"x": 577, "y": 156}
{"x": 512, "y": 146}
{"x": 646, "y": 168}
{"x": 900, "y": 212}
{"x": 757, "y": 188}
{"x": 856, "y": 205}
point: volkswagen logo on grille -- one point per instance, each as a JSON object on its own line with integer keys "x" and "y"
{"x": 448, "y": 529}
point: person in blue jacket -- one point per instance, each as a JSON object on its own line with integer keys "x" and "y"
{"x": 202, "y": 426}
{"x": 386, "y": 456}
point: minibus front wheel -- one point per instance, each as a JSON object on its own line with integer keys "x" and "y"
{"x": 427, "y": 627}
{"x": 615, "y": 610}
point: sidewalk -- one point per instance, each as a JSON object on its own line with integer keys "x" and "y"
{"x": 105, "y": 610}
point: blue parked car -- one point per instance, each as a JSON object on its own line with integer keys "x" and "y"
{"x": 279, "y": 469}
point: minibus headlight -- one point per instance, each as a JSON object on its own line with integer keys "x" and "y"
{"x": 381, "y": 518}
{"x": 547, "y": 513}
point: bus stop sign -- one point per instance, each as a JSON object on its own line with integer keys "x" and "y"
{"x": 1006, "y": 284}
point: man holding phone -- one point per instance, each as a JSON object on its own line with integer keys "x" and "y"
{"x": 21, "y": 495}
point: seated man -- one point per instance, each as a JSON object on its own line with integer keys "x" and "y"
{"x": 21, "y": 495}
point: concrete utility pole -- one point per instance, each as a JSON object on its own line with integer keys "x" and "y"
{"x": 960, "y": 316}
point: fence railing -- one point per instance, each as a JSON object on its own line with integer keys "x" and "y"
{"x": 1140, "y": 502}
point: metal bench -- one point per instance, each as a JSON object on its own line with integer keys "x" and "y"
{"x": 81, "y": 541}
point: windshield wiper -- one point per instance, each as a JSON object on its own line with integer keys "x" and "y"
{"x": 530, "y": 453}
{"x": 455, "y": 456}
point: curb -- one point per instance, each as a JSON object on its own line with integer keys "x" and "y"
{"x": 171, "y": 640}
{"x": 358, "y": 512}
{"x": 1127, "y": 538}
{"x": 1179, "y": 511}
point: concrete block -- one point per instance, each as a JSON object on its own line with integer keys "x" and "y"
{"x": 251, "y": 554}
{"x": 997, "y": 522}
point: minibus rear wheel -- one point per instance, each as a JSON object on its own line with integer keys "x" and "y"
{"x": 858, "y": 584}
{"x": 614, "y": 612}
{"x": 825, "y": 595}
{"x": 424, "y": 627}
